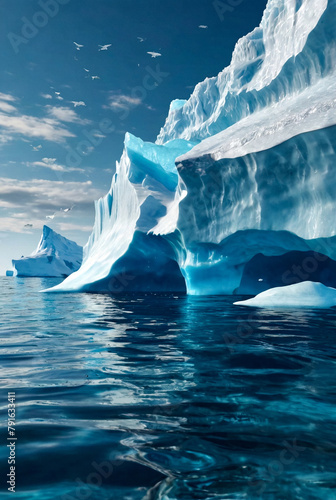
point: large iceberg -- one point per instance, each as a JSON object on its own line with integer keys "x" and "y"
{"x": 244, "y": 167}
{"x": 54, "y": 257}
{"x": 306, "y": 294}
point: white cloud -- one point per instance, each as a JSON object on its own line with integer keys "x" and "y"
{"x": 28, "y": 202}
{"x": 31, "y": 126}
{"x": 5, "y": 138}
{"x": 123, "y": 101}
{"x": 6, "y": 107}
{"x": 52, "y": 165}
{"x": 6, "y": 97}
{"x": 46, "y": 96}
{"x": 65, "y": 114}
{"x": 49, "y": 163}
{"x": 67, "y": 226}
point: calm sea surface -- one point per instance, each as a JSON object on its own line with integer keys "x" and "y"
{"x": 165, "y": 397}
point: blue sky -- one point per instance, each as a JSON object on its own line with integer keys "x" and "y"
{"x": 64, "y": 109}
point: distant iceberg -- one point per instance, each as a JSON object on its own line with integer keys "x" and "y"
{"x": 307, "y": 294}
{"x": 55, "y": 256}
{"x": 245, "y": 166}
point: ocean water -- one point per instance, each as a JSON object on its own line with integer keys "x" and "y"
{"x": 166, "y": 397}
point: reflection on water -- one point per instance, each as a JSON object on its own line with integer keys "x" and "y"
{"x": 166, "y": 397}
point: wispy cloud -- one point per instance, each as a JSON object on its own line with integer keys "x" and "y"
{"x": 52, "y": 165}
{"x": 6, "y": 97}
{"x": 46, "y": 96}
{"x": 68, "y": 226}
{"x": 48, "y": 163}
{"x": 5, "y": 100}
{"x": 65, "y": 114}
{"x": 31, "y": 126}
{"x": 28, "y": 202}
{"x": 6, "y": 107}
{"x": 122, "y": 101}
{"x": 14, "y": 122}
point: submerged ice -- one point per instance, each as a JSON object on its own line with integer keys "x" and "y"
{"x": 244, "y": 167}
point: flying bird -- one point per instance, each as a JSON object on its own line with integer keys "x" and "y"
{"x": 87, "y": 70}
{"x": 28, "y": 225}
{"x": 36, "y": 148}
{"x": 95, "y": 77}
{"x": 78, "y": 103}
{"x": 66, "y": 210}
{"x": 104, "y": 47}
{"x": 154, "y": 54}
{"x": 51, "y": 216}
{"x": 203, "y": 26}
{"x": 141, "y": 39}
{"x": 78, "y": 46}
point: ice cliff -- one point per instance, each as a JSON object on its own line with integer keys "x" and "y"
{"x": 245, "y": 167}
{"x": 55, "y": 256}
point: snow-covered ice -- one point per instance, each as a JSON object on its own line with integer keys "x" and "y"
{"x": 306, "y": 294}
{"x": 55, "y": 256}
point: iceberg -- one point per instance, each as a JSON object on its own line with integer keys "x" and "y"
{"x": 244, "y": 167}
{"x": 124, "y": 252}
{"x": 307, "y": 294}
{"x": 54, "y": 257}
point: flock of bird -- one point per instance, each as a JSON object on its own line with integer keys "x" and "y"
{"x": 51, "y": 217}
{"x": 108, "y": 45}
{"x": 64, "y": 210}
{"x": 82, "y": 103}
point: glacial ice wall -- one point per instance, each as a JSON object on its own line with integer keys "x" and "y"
{"x": 55, "y": 256}
{"x": 142, "y": 193}
{"x": 245, "y": 166}
{"x": 292, "y": 49}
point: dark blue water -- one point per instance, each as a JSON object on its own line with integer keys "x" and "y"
{"x": 166, "y": 397}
